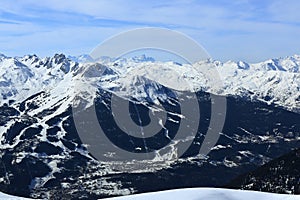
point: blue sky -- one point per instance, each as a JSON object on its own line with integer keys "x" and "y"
{"x": 250, "y": 30}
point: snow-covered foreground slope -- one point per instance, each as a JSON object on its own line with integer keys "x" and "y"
{"x": 208, "y": 194}
{"x": 193, "y": 194}
{"x": 4, "y": 196}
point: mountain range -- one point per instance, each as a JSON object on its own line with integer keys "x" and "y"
{"x": 275, "y": 81}
{"x": 42, "y": 155}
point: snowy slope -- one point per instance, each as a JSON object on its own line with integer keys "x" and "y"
{"x": 4, "y": 196}
{"x": 208, "y": 194}
{"x": 194, "y": 194}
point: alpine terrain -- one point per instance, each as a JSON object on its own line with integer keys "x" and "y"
{"x": 42, "y": 153}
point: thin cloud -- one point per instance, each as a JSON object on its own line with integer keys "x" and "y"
{"x": 235, "y": 25}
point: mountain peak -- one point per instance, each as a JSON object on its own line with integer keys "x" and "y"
{"x": 2, "y": 55}
{"x": 84, "y": 58}
{"x": 143, "y": 58}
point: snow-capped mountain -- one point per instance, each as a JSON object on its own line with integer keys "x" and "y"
{"x": 42, "y": 155}
{"x": 81, "y": 59}
{"x": 23, "y": 77}
{"x": 274, "y": 81}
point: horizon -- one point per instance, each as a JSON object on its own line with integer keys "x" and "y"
{"x": 250, "y": 31}
{"x": 159, "y": 58}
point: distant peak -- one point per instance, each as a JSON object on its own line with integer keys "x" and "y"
{"x": 84, "y": 58}
{"x": 143, "y": 58}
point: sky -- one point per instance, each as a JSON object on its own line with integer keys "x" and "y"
{"x": 248, "y": 30}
